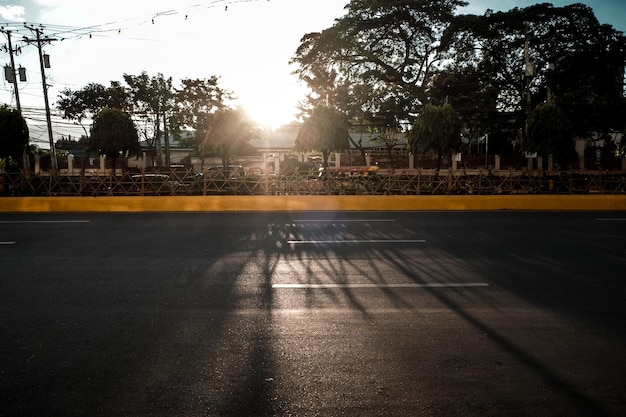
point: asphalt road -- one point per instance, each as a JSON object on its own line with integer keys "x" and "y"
{"x": 313, "y": 314}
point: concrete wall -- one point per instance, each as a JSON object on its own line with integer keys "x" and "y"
{"x": 312, "y": 203}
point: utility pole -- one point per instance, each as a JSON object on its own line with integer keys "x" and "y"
{"x": 43, "y": 63}
{"x": 12, "y": 78}
{"x": 13, "y": 72}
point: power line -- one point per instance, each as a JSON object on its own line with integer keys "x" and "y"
{"x": 40, "y": 40}
{"x": 55, "y": 32}
{"x": 65, "y": 32}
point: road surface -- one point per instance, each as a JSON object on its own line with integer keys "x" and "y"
{"x": 313, "y": 314}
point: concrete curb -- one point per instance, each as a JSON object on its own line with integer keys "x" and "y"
{"x": 311, "y": 203}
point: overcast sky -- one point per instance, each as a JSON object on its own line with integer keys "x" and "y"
{"x": 247, "y": 43}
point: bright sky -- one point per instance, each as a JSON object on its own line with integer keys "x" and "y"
{"x": 247, "y": 43}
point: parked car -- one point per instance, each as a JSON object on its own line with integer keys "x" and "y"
{"x": 218, "y": 180}
{"x": 154, "y": 183}
{"x": 231, "y": 171}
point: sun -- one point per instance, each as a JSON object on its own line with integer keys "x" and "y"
{"x": 271, "y": 113}
{"x": 271, "y": 98}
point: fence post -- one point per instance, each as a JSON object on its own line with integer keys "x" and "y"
{"x": 70, "y": 164}
{"x": 550, "y": 163}
{"x": 580, "y": 145}
{"x": 419, "y": 181}
{"x": 496, "y": 163}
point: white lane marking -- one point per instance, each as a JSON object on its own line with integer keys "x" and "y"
{"x": 345, "y": 221}
{"x": 7, "y": 243}
{"x": 41, "y": 221}
{"x": 317, "y": 242}
{"x": 408, "y": 285}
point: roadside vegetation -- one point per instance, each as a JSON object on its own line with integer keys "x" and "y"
{"x": 533, "y": 80}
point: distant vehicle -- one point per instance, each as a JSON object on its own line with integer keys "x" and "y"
{"x": 218, "y": 180}
{"x": 347, "y": 171}
{"x": 228, "y": 168}
{"x": 230, "y": 172}
{"x": 154, "y": 183}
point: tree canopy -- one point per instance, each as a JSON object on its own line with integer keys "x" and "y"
{"x": 548, "y": 131}
{"x": 87, "y": 102}
{"x": 195, "y": 101}
{"x": 153, "y": 100}
{"x": 326, "y": 131}
{"x": 113, "y": 133}
{"x": 384, "y": 59}
{"x": 437, "y": 130}
{"x": 381, "y": 54}
{"x": 158, "y": 108}
{"x": 528, "y": 54}
{"x": 227, "y": 131}
{"x": 14, "y": 137}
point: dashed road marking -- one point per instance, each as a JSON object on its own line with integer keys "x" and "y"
{"x": 371, "y": 285}
{"x": 319, "y": 242}
{"x": 41, "y": 221}
{"x": 345, "y": 221}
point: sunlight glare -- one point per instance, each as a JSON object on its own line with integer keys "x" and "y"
{"x": 271, "y": 113}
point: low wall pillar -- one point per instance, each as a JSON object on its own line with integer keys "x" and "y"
{"x": 550, "y": 163}
{"x": 580, "y": 145}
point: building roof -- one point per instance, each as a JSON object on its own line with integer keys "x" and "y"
{"x": 285, "y": 140}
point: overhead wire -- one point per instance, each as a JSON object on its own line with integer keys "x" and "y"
{"x": 58, "y": 32}
{"x": 66, "y": 32}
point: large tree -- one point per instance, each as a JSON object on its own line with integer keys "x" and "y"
{"x": 325, "y": 131}
{"x": 13, "y": 137}
{"x": 588, "y": 84}
{"x": 548, "y": 131}
{"x": 436, "y": 130}
{"x": 227, "y": 132}
{"x": 113, "y": 134}
{"x": 86, "y": 103}
{"x": 379, "y": 57}
{"x": 469, "y": 91}
{"x": 528, "y": 54}
{"x": 195, "y": 101}
{"x": 153, "y": 101}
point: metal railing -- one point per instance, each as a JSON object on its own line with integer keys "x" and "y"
{"x": 295, "y": 182}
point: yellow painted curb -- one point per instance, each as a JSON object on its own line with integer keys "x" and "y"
{"x": 304, "y": 203}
